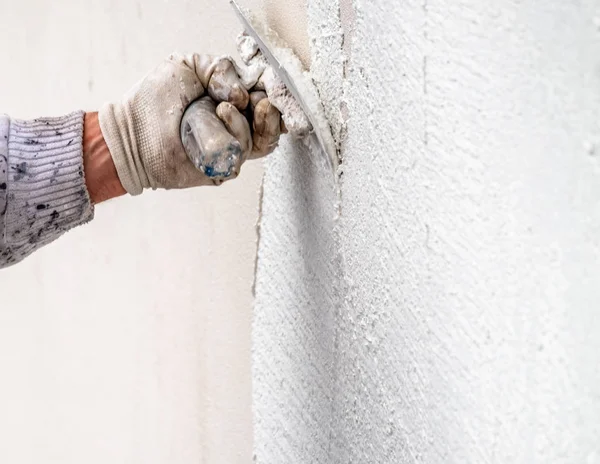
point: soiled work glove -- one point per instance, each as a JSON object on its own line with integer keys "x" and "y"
{"x": 143, "y": 130}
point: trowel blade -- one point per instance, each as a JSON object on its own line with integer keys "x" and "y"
{"x": 325, "y": 141}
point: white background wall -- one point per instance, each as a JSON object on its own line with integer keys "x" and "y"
{"x": 127, "y": 340}
{"x": 456, "y": 316}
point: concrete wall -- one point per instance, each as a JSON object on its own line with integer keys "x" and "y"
{"x": 450, "y": 313}
{"x": 127, "y": 340}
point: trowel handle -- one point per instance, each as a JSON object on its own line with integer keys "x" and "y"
{"x": 208, "y": 144}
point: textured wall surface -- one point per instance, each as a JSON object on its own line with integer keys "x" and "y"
{"x": 128, "y": 340}
{"x": 294, "y": 326}
{"x": 451, "y": 313}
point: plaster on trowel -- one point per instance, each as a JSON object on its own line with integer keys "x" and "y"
{"x": 204, "y": 142}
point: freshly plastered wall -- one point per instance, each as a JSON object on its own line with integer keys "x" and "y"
{"x": 442, "y": 305}
{"x": 128, "y": 340}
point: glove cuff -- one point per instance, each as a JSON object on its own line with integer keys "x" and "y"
{"x": 116, "y": 124}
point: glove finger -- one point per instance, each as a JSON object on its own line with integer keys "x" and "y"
{"x": 279, "y": 95}
{"x": 256, "y": 97}
{"x": 225, "y": 85}
{"x": 267, "y": 128}
{"x": 194, "y": 64}
{"x": 237, "y": 125}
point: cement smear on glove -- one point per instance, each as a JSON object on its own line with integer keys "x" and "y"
{"x": 258, "y": 75}
{"x": 247, "y": 47}
{"x": 251, "y": 72}
{"x": 291, "y": 112}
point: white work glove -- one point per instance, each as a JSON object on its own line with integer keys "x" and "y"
{"x": 143, "y": 130}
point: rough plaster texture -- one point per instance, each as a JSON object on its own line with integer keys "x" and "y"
{"x": 451, "y": 313}
{"x": 128, "y": 340}
{"x": 293, "y": 367}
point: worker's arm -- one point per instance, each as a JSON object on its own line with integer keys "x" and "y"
{"x": 42, "y": 184}
{"x": 54, "y": 170}
{"x": 101, "y": 178}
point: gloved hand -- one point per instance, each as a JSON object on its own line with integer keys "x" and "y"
{"x": 143, "y": 134}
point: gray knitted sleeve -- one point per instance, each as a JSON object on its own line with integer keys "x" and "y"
{"x": 42, "y": 184}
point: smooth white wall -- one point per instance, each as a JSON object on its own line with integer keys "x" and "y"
{"x": 128, "y": 339}
{"x": 457, "y": 318}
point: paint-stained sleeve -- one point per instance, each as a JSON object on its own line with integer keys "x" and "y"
{"x": 42, "y": 185}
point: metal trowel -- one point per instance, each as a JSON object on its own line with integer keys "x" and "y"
{"x": 222, "y": 163}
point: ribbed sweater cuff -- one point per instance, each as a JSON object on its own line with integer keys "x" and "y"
{"x": 47, "y": 194}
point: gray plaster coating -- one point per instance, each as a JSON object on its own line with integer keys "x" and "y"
{"x": 450, "y": 313}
